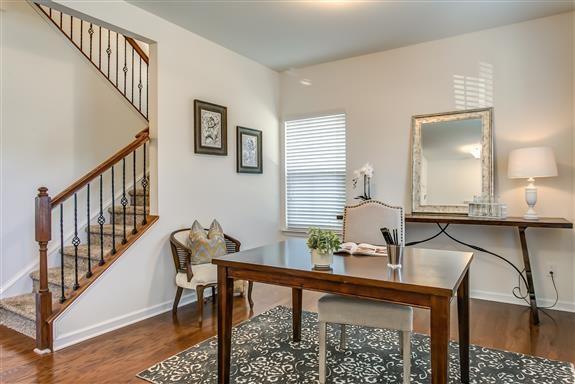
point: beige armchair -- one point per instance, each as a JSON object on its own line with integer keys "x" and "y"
{"x": 200, "y": 276}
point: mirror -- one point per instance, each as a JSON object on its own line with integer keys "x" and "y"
{"x": 452, "y": 160}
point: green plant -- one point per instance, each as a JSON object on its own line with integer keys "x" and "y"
{"x": 323, "y": 240}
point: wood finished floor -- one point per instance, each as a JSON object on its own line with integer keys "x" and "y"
{"x": 118, "y": 356}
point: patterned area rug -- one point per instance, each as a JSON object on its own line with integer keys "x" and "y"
{"x": 262, "y": 352}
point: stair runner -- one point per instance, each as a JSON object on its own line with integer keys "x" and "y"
{"x": 19, "y": 312}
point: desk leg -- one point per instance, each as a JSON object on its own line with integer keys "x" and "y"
{"x": 296, "y": 295}
{"x": 439, "y": 339}
{"x": 463, "y": 321}
{"x": 225, "y": 307}
{"x": 529, "y": 275}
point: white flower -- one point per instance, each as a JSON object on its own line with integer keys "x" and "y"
{"x": 367, "y": 170}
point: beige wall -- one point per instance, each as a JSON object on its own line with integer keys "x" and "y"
{"x": 60, "y": 118}
{"x": 189, "y": 186}
{"x": 529, "y": 68}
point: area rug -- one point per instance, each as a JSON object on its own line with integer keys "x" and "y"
{"x": 263, "y": 352}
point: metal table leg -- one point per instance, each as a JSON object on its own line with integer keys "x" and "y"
{"x": 529, "y": 275}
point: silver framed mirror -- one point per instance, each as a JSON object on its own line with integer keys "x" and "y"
{"x": 452, "y": 160}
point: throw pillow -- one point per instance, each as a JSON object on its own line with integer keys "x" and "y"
{"x": 204, "y": 247}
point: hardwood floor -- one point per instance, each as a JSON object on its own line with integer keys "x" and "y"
{"x": 118, "y": 356}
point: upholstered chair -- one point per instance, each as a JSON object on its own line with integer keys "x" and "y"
{"x": 361, "y": 224}
{"x": 198, "y": 277}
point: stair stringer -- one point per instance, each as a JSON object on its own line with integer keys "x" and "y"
{"x": 132, "y": 289}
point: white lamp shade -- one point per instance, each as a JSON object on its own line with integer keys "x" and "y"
{"x": 532, "y": 162}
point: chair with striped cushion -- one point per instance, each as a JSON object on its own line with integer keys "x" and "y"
{"x": 198, "y": 277}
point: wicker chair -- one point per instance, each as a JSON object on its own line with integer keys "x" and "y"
{"x": 205, "y": 274}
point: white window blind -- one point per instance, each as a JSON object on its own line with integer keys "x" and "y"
{"x": 315, "y": 172}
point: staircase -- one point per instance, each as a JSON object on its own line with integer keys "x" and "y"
{"x": 19, "y": 312}
{"x": 97, "y": 218}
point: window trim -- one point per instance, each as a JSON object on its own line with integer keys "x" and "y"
{"x": 300, "y": 232}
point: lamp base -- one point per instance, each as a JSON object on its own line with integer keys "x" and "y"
{"x": 530, "y": 216}
{"x": 531, "y": 200}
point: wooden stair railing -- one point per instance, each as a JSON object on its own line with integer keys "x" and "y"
{"x": 130, "y": 227}
{"x": 119, "y": 58}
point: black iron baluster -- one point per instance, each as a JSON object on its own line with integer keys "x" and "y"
{"x": 72, "y": 29}
{"x": 109, "y": 52}
{"x": 91, "y": 33}
{"x": 76, "y": 242}
{"x": 81, "y": 35}
{"x": 113, "y": 215}
{"x": 100, "y": 48}
{"x": 62, "y": 294}
{"x": 125, "y": 69}
{"x": 144, "y": 186}
{"x": 50, "y": 12}
{"x": 123, "y": 200}
{"x": 135, "y": 230}
{"x": 101, "y": 221}
{"x": 60, "y": 20}
{"x": 140, "y": 88}
{"x": 117, "y": 53}
{"x": 132, "y": 74}
{"x": 88, "y": 240}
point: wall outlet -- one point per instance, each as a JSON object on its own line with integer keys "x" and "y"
{"x": 551, "y": 268}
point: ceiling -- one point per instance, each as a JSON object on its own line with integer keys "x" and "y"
{"x": 284, "y": 34}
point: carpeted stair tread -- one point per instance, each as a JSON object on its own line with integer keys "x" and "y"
{"x": 22, "y": 305}
{"x": 118, "y": 210}
{"x": 83, "y": 251}
{"x": 139, "y": 191}
{"x": 54, "y": 277}
{"x": 107, "y": 229}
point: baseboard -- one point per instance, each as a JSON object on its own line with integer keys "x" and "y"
{"x": 86, "y": 333}
{"x": 510, "y": 299}
{"x": 83, "y": 334}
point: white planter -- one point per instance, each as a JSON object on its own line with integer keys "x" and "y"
{"x": 321, "y": 260}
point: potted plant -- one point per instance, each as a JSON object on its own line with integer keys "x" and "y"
{"x": 322, "y": 243}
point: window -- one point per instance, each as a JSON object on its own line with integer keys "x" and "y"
{"x": 315, "y": 172}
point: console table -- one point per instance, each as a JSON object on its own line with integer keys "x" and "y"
{"x": 518, "y": 222}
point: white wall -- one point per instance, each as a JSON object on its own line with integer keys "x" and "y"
{"x": 530, "y": 69}
{"x": 60, "y": 118}
{"x": 189, "y": 186}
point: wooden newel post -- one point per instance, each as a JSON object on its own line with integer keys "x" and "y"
{"x": 43, "y": 296}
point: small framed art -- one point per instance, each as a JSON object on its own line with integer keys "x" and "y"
{"x": 210, "y": 128}
{"x": 249, "y": 150}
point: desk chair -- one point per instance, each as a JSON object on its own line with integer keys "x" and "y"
{"x": 361, "y": 224}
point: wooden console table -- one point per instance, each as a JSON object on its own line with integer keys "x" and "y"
{"x": 518, "y": 222}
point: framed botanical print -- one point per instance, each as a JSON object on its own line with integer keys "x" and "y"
{"x": 249, "y": 150}
{"x": 210, "y": 128}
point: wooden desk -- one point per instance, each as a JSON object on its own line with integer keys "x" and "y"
{"x": 519, "y": 222}
{"x": 429, "y": 279}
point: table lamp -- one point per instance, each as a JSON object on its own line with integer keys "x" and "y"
{"x": 529, "y": 163}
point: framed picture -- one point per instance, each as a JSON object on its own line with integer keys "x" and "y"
{"x": 249, "y": 150}
{"x": 210, "y": 128}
